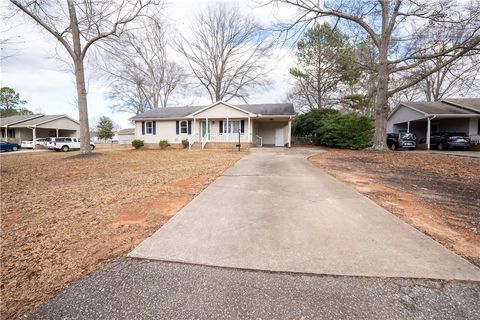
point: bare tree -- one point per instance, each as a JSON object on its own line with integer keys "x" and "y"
{"x": 77, "y": 25}
{"x": 405, "y": 36}
{"x": 226, "y": 52}
{"x": 461, "y": 78}
{"x": 141, "y": 75}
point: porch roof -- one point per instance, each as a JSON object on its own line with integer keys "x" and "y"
{"x": 273, "y": 109}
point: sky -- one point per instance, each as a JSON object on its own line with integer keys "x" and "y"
{"x": 44, "y": 81}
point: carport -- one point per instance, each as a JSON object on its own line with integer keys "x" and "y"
{"x": 39, "y": 126}
{"x": 423, "y": 118}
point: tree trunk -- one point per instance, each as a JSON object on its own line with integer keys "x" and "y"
{"x": 80, "y": 81}
{"x": 82, "y": 108}
{"x": 381, "y": 105}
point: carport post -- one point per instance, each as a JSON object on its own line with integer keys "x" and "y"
{"x": 226, "y": 130}
{"x": 57, "y": 132}
{"x": 249, "y": 130}
{"x": 289, "y": 132}
{"x": 34, "y": 129}
{"x": 408, "y": 127}
{"x": 428, "y": 133}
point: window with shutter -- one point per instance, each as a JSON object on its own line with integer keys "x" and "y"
{"x": 220, "y": 127}
{"x": 183, "y": 127}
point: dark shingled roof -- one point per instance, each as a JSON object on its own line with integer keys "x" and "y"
{"x": 468, "y": 103}
{"x": 16, "y": 119}
{"x": 279, "y": 109}
{"x": 436, "y": 107}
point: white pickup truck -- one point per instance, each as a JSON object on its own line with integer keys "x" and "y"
{"x": 66, "y": 143}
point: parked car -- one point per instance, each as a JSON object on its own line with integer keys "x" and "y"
{"x": 29, "y": 143}
{"x": 66, "y": 143}
{"x": 449, "y": 140}
{"x": 7, "y": 146}
{"x": 401, "y": 141}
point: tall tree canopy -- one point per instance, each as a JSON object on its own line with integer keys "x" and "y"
{"x": 324, "y": 61}
{"x": 11, "y": 104}
{"x": 404, "y": 37}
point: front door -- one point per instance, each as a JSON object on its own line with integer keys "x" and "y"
{"x": 205, "y": 129}
{"x": 279, "y": 142}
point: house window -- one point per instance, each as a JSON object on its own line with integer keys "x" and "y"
{"x": 234, "y": 126}
{"x": 10, "y": 133}
{"x": 149, "y": 127}
{"x": 183, "y": 127}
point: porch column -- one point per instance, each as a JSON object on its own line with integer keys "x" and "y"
{"x": 194, "y": 129}
{"x": 34, "y": 131}
{"x": 408, "y": 127}
{"x": 227, "y": 131}
{"x": 289, "y": 132}
{"x": 207, "y": 128}
{"x": 428, "y": 133}
{"x": 249, "y": 130}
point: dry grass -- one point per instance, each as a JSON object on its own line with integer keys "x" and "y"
{"x": 436, "y": 193}
{"x": 63, "y": 216}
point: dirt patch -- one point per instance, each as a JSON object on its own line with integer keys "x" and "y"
{"x": 437, "y": 194}
{"x": 61, "y": 220}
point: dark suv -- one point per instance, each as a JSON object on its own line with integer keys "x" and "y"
{"x": 401, "y": 141}
{"x": 449, "y": 140}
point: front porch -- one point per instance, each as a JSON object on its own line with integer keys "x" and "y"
{"x": 256, "y": 131}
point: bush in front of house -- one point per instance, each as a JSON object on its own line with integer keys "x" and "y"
{"x": 137, "y": 143}
{"x": 348, "y": 131}
{"x": 163, "y": 144}
{"x": 185, "y": 143}
{"x": 307, "y": 125}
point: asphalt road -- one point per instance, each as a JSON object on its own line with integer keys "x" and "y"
{"x": 140, "y": 289}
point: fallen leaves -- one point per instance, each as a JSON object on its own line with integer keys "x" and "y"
{"x": 64, "y": 216}
{"x": 436, "y": 193}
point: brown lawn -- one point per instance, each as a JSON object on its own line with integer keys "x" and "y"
{"x": 63, "y": 216}
{"x": 438, "y": 194}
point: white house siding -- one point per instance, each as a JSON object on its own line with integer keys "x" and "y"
{"x": 165, "y": 130}
{"x": 266, "y": 130}
{"x": 125, "y": 138}
{"x": 403, "y": 114}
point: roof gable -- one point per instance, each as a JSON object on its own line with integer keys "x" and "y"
{"x": 223, "y": 110}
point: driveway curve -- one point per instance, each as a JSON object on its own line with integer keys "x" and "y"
{"x": 275, "y": 211}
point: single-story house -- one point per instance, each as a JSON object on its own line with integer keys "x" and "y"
{"x": 448, "y": 115}
{"x": 125, "y": 136}
{"x": 25, "y": 127}
{"x": 219, "y": 123}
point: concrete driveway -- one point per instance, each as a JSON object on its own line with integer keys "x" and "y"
{"x": 275, "y": 211}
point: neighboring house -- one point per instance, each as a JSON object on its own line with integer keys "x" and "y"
{"x": 125, "y": 136}
{"x": 220, "y": 122}
{"x": 449, "y": 115}
{"x": 25, "y": 127}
